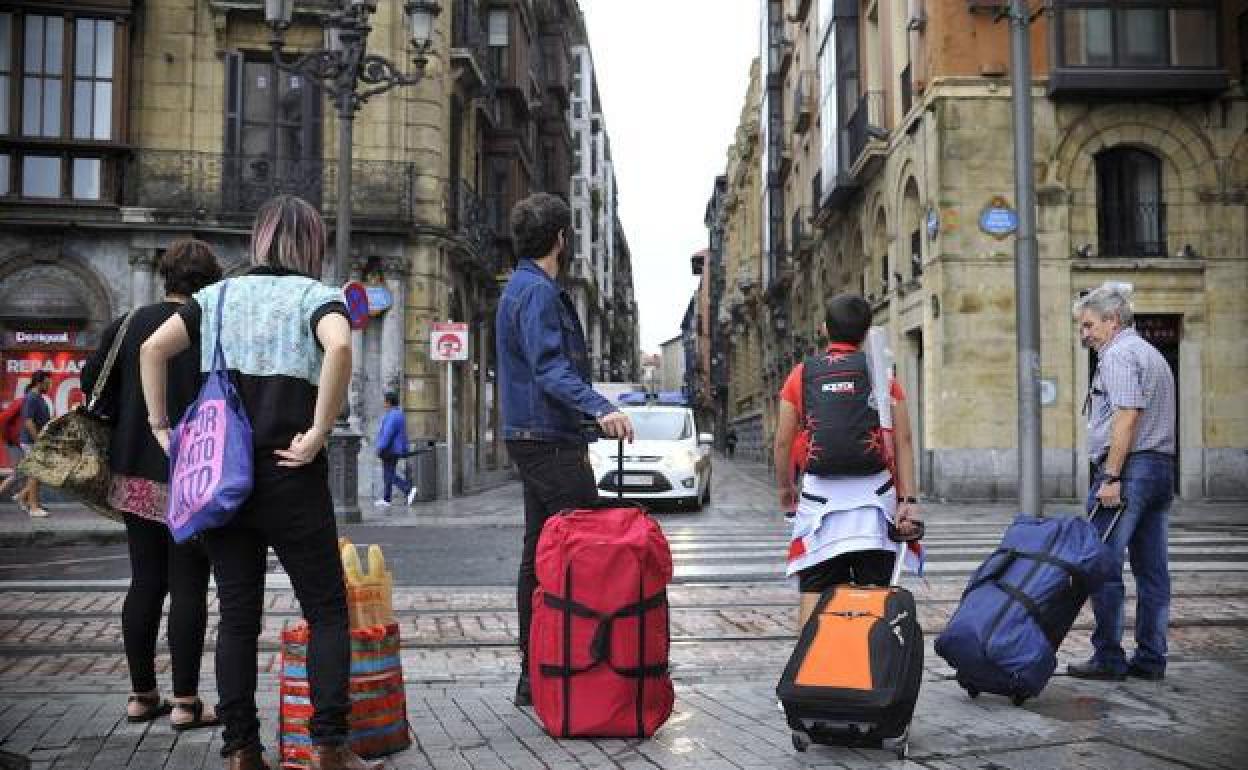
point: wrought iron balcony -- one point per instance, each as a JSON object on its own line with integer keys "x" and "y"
{"x": 196, "y": 186}
{"x": 475, "y": 221}
{"x": 1131, "y": 230}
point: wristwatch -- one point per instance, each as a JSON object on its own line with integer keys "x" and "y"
{"x": 1112, "y": 478}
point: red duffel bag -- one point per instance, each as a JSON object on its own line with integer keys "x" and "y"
{"x": 599, "y": 642}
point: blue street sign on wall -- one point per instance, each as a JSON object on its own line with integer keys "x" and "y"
{"x": 379, "y": 299}
{"x": 998, "y": 219}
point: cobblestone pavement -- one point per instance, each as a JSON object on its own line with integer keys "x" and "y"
{"x": 63, "y": 675}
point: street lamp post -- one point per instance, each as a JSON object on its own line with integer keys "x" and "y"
{"x": 350, "y": 76}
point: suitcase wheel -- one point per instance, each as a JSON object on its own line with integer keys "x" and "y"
{"x": 971, "y": 691}
{"x": 902, "y": 749}
{"x": 1018, "y": 700}
{"x": 800, "y": 741}
{"x": 899, "y": 745}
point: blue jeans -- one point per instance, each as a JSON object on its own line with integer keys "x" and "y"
{"x": 1148, "y": 489}
{"x": 391, "y": 478}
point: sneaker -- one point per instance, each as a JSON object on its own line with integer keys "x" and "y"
{"x": 1094, "y": 670}
{"x": 38, "y": 513}
{"x": 381, "y": 504}
{"x": 1147, "y": 674}
{"x": 411, "y": 494}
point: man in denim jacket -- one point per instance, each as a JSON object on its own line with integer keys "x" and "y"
{"x": 543, "y": 369}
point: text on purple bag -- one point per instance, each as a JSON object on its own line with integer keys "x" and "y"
{"x": 197, "y": 471}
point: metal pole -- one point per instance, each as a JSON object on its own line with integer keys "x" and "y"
{"x": 450, "y": 439}
{"x": 1026, "y": 268}
{"x": 344, "y": 443}
{"x": 342, "y": 243}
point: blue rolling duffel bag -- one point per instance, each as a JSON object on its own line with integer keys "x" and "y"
{"x": 1021, "y": 602}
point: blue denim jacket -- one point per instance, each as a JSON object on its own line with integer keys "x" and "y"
{"x": 543, "y": 364}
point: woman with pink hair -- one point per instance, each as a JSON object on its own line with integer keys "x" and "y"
{"x": 287, "y": 346}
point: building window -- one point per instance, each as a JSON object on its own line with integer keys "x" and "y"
{"x": 498, "y": 32}
{"x": 1143, "y": 35}
{"x": 1131, "y": 219}
{"x": 93, "y": 79}
{"x": 916, "y": 253}
{"x": 61, "y": 71}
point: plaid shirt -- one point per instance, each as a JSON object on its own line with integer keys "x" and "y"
{"x": 1132, "y": 375}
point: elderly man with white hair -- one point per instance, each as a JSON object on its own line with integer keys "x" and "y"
{"x": 1131, "y": 446}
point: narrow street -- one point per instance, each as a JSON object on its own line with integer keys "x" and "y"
{"x": 63, "y": 674}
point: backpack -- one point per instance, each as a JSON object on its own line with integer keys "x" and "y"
{"x": 846, "y": 437}
{"x": 11, "y": 421}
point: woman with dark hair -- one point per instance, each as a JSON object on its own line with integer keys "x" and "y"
{"x": 287, "y": 343}
{"x": 158, "y": 566}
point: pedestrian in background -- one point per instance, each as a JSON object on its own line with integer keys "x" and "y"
{"x": 11, "y": 434}
{"x": 34, "y": 415}
{"x": 856, "y": 477}
{"x": 159, "y": 567}
{"x": 1131, "y": 445}
{"x": 392, "y": 446}
{"x": 543, "y": 369}
{"x": 730, "y": 442}
{"x": 287, "y": 343}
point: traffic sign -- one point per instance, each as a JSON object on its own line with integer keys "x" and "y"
{"x": 449, "y": 341}
{"x": 357, "y": 304}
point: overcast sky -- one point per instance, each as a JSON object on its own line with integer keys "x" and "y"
{"x": 672, "y": 76}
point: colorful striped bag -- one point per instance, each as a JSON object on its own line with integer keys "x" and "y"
{"x": 378, "y": 719}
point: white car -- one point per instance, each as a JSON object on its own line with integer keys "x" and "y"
{"x": 669, "y": 460}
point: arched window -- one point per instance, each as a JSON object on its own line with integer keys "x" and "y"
{"x": 1130, "y": 214}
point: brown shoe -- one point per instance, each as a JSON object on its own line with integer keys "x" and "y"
{"x": 338, "y": 757}
{"x": 249, "y": 758}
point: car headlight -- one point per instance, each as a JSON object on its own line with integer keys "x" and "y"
{"x": 684, "y": 459}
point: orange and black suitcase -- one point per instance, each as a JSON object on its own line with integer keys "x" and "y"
{"x": 854, "y": 677}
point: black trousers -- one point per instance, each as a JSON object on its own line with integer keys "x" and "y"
{"x": 863, "y": 568}
{"x": 159, "y": 567}
{"x": 555, "y": 477}
{"x": 290, "y": 510}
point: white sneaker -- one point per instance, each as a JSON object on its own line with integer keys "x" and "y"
{"x": 38, "y": 513}
{"x": 411, "y": 494}
{"x": 381, "y": 504}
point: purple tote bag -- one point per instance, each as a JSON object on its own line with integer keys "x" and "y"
{"x": 210, "y": 453}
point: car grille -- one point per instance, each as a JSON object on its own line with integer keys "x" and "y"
{"x": 656, "y": 482}
{"x": 637, "y": 458}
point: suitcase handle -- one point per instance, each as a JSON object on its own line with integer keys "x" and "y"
{"x": 592, "y": 428}
{"x": 1113, "y": 524}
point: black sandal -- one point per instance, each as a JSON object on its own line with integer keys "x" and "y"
{"x": 197, "y": 720}
{"x": 156, "y": 707}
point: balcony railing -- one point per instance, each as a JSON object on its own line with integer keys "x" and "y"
{"x": 1131, "y": 230}
{"x": 866, "y": 123}
{"x": 201, "y": 185}
{"x": 473, "y": 220}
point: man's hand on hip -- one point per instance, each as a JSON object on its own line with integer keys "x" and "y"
{"x": 617, "y": 425}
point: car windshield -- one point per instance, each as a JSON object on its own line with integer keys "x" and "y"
{"x": 651, "y": 425}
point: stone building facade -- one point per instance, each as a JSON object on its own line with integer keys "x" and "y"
{"x": 1140, "y": 136}
{"x": 132, "y": 124}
